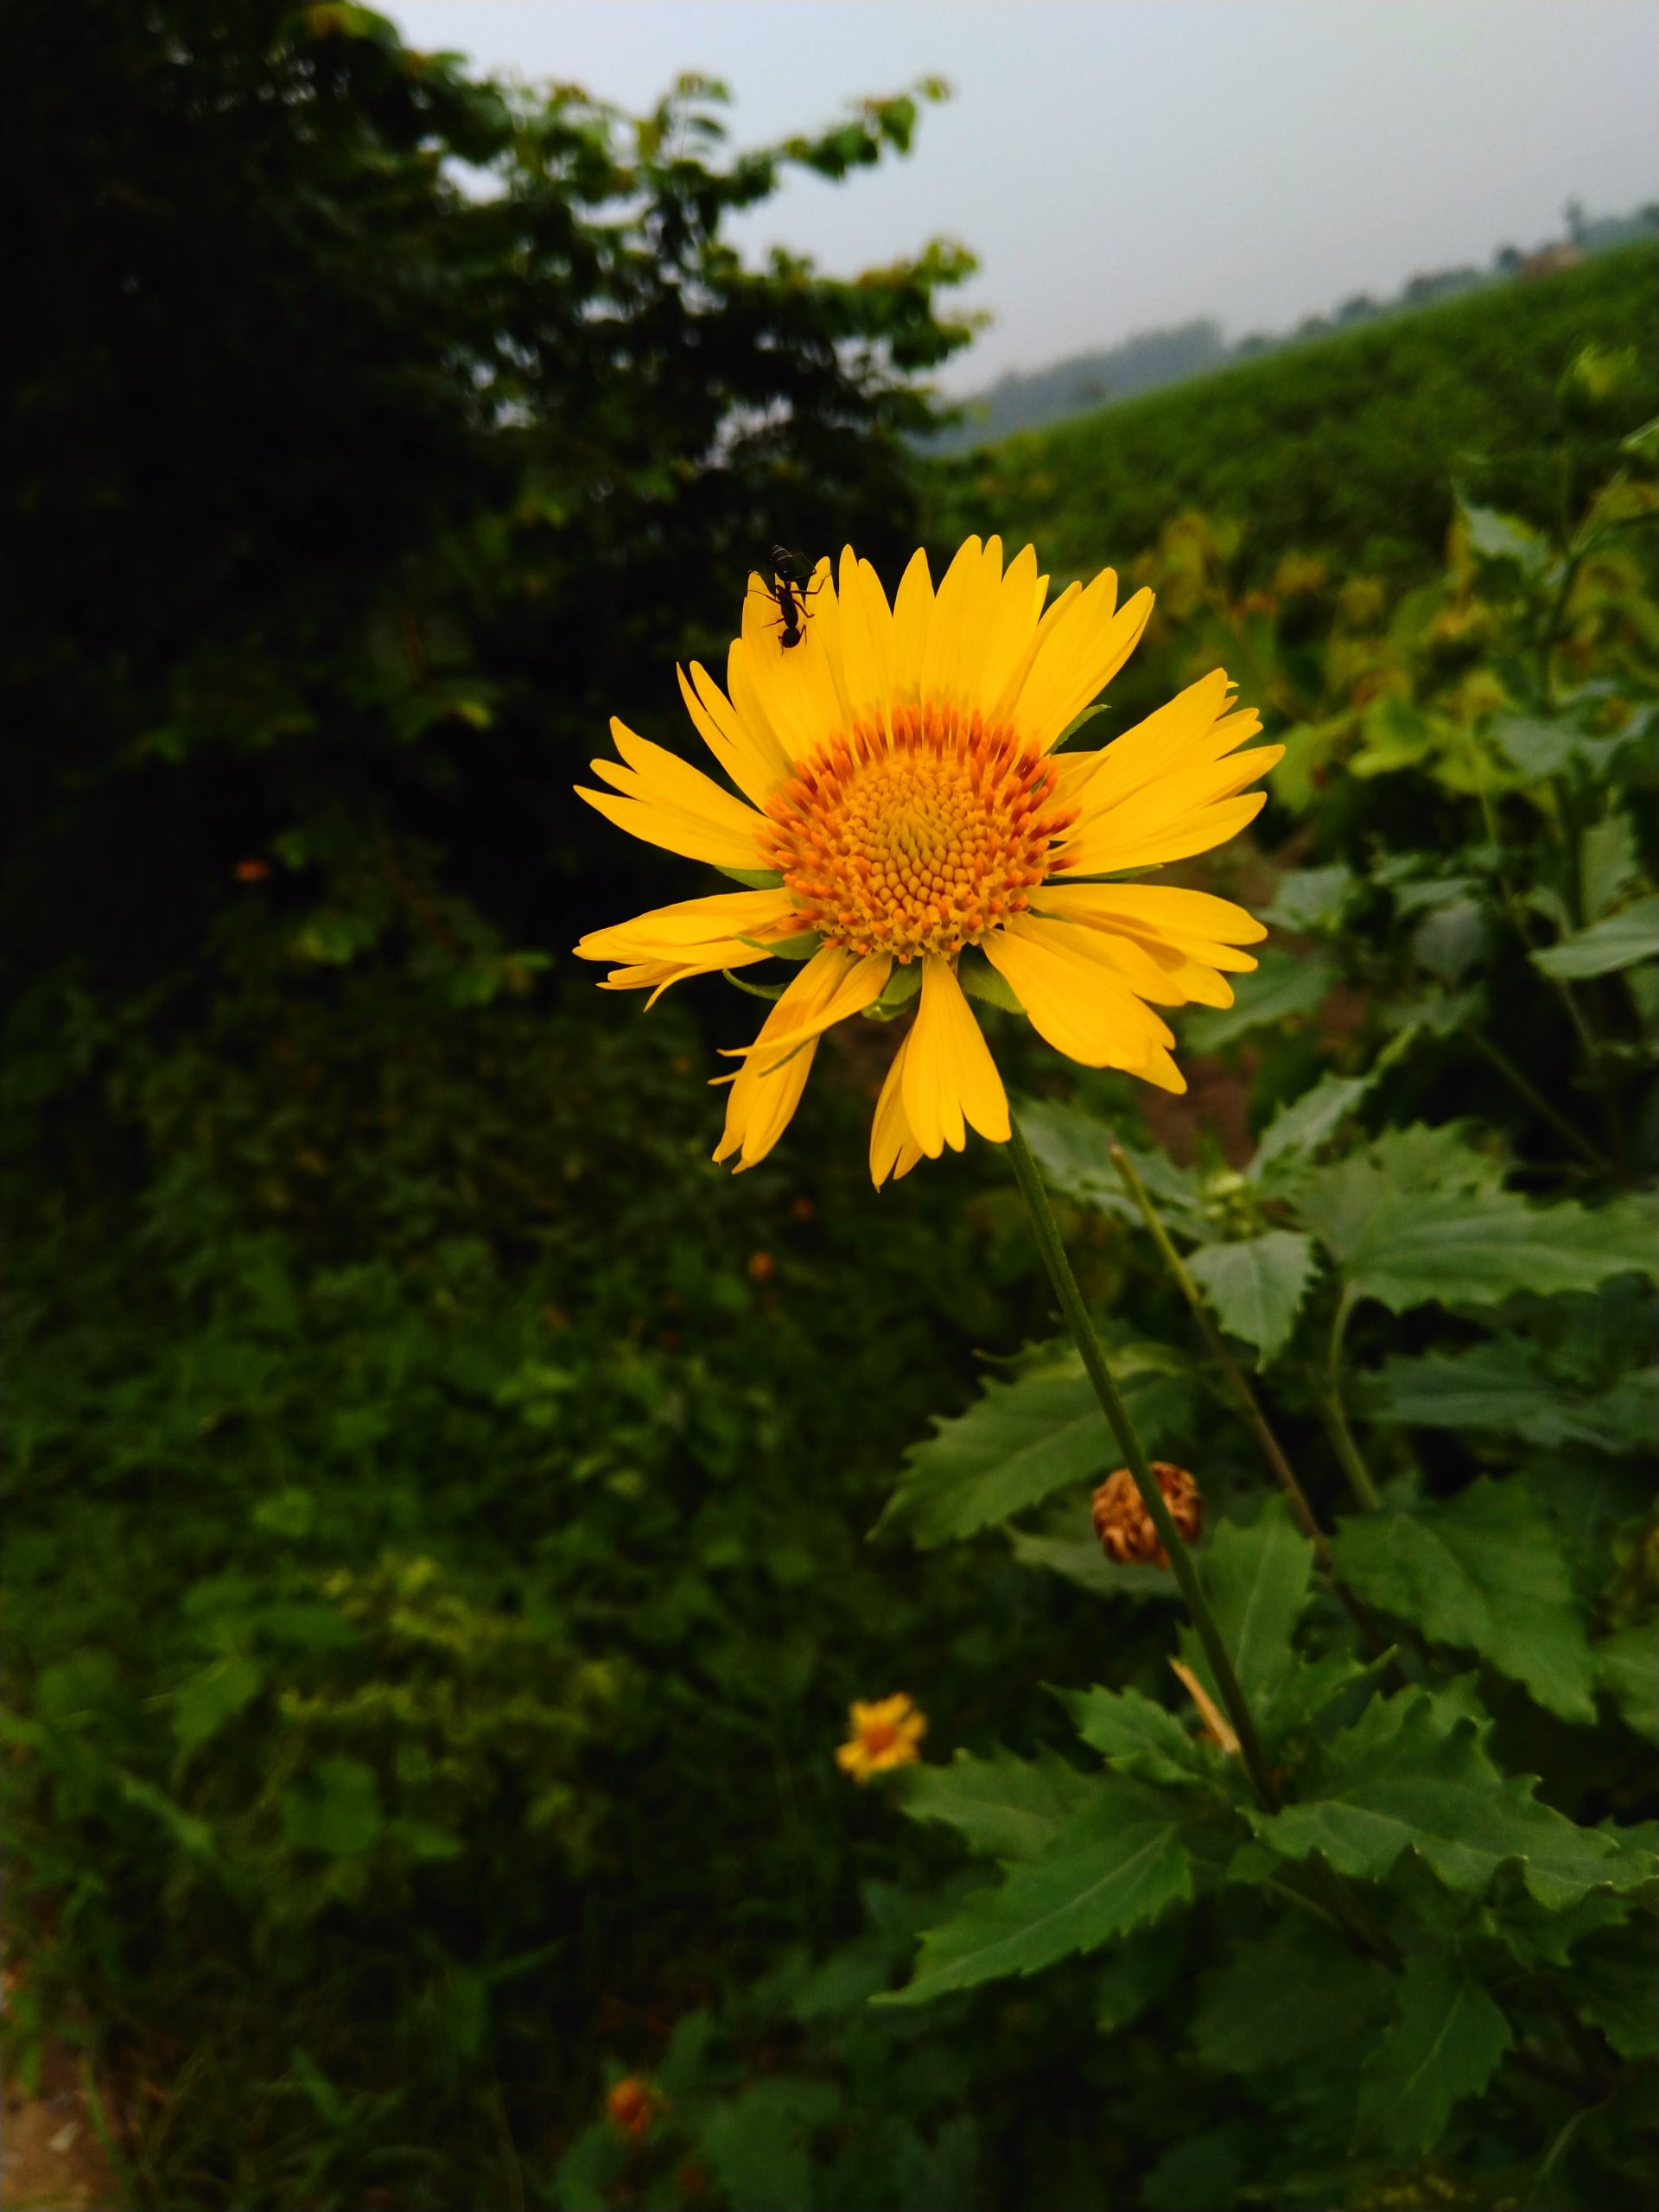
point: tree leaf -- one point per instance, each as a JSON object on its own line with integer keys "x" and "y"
{"x": 209, "y": 1700}
{"x": 1446, "y": 2038}
{"x": 1256, "y": 1286}
{"x": 334, "y": 1809}
{"x": 1619, "y": 940}
{"x": 1021, "y": 1441}
{"x": 1116, "y": 1863}
{"x": 1004, "y": 1806}
{"x": 1482, "y": 1570}
{"x": 1411, "y": 1775}
{"x": 1289, "y": 1996}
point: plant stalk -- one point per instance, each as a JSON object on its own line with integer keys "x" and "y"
{"x": 1248, "y": 1404}
{"x": 1046, "y": 1232}
{"x": 1525, "y": 1088}
{"x": 1335, "y": 1415}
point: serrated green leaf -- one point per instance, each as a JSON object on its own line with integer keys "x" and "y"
{"x": 210, "y": 1700}
{"x": 1140, "y": 1967}
{"x": 1403, "y": 1779}
{"x": 1003, "y": 1807}
{"x": 1023, "y": 1440}
{"x": 1130, "y": 1731}
{"x": 1118, "y": 1862}
{"x": 981, "y": 981}
{"x": 1408, "y": 1248}
{"x": 1614, "y": 1976}
{"x": 1619, "y": 940}
{"x": 758, "y": 2144}
{"x": 1503, "y": 1386}
{"x": 1483, "y": 1571}
{"x": 1256, "y": 1286}
{"x": 1297, "y": 1130}
{"x": 1080, "y": 1560}
{"x": 1627, "y": 1671}
{"x": 1445, "y": 2039}
{"x": 1256, "y": 1579}
{"x": 1073, "y": 1149}
{"x": 1287, "y": 1997}
{"x": 1285, "y": 986}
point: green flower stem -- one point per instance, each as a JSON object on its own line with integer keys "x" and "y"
{"x": 1249, "y": 1406}
{"x": 1045, "y": 1229}
{"x": 1334, "y": 1414}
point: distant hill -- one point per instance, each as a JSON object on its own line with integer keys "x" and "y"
{"x": 1344, "y": 450}
{"x": 1157, "y": 357}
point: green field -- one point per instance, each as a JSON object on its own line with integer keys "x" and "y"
{"x": 1347, "y": 446}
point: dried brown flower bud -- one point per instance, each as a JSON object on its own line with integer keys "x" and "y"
{"x": 1123, "y": 1525}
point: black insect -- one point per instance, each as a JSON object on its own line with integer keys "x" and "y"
{"x": 789, "y": 592}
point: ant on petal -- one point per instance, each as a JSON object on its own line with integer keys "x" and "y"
{"x": 789, "y": 591}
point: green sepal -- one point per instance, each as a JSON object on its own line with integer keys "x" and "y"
{"x": 1076, "y": 724}
{"x": 755, "y": 990}
{"x": 901, "y": 986}
{"x": 785, "y": 948}
{"x": 981, "y": 981}
{"x": 753, "y": 879}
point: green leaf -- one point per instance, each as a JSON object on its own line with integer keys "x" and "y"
{"x": 1297, "y": 1130}
{"x": 1627, "y": 1671}
{"x": 1484, "y": 1571}
{"x": 901, "y": 986}
{"x": 1080, "y": 1560}
{"x": 1288, "y": 1997}
{"x": 1256, "y": 1579}
{"x": 1503, "y": 1386}
{"x": 209, "y": 1700}
{"x": 1140, "y": 1967}
{"x": 1407, "y": 1248}
{"x": 1021, "y": 1441}
{"x": 1613, "y": 1980}
{"x": 1446, "y": 2038}
{"x": 1412, "y": 1775}
{"x": 1285, "y": 987}
{"x": 1004, "y": 1806}
{"x": 981, "y": 981}
{"x": 754, "y": 990}
{"x": 1609, "y": 862}
{"x": 1137, "y": 1736}
{"x": 1307, "y": 899}
{"x": 760, "y": 2142}
{"x": 1118, "y": 1862}
{"x": 1619, "y": 940}
{"x": 1073, "y": 1149}
{"x": 335, "y": 1808}
{"x": 1256, "y": 1286}
{"x": 1500, "y": 538}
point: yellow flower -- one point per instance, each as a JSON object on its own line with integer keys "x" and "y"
{"x": 907, "y": 820}
{"x": 886, "y": 1734}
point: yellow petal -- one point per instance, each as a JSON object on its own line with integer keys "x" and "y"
{"x": 949, "y": 1074}
{"x": 981, "y": 588}
{"x": 696, "y": 837}
{"x": 1047, "y": 621}
{"x": 865, "y": 642}
{"x": 959, "y": 585}
{"x": 795, "y": 686}
{"x": 1073, "y": 998}
{"x": 1196, "y": 922}
{"x": 912, "y": 618}
{"x": 860, "y": 985}
{"x": 1081, "y": 659}
{"x": 1147, "y": 837}
{"x": 754, "y": 760}
{"x": 758, "y": 1105}
{"x": 893, "y": 1150}
{"x": 1011, "y": 632}
{"x": 724, "y": 916}
{"x": 1193, "y": 730}
{"x": 825, "y": 615}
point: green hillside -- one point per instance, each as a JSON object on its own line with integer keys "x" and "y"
{"x": 1346, "y": 446}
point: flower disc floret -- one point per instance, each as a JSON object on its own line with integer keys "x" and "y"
{"x": 917, "y": 843}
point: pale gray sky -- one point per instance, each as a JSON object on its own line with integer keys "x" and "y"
{"x": 1121, "y": 164}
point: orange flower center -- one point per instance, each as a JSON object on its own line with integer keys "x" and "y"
{"x": 920, "y": 844}
{"x": 878, "y": 1736}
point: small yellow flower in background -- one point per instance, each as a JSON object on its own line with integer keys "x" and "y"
{"x": 886, "y": 1734}
{"x": 904, "y": 812}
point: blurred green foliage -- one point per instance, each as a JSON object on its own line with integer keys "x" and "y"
{"x": 435, "y": 1496}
